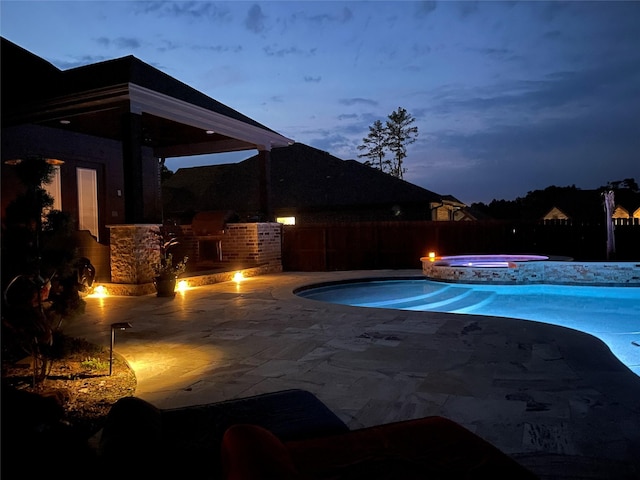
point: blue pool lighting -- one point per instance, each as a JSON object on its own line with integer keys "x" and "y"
{"x": 611, "y": 314}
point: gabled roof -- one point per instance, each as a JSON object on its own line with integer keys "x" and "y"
{"x": 302, "y": 177}
{"x": 94, "y": 98}
{"x": 307, "y": 177}
{"x": 555, "y": 214}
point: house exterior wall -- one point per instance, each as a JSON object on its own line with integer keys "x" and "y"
{"x": 84, "y": 151}
{"x": 442, "y": 213}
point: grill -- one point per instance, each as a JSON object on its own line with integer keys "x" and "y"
{"x": 208, "y": 230}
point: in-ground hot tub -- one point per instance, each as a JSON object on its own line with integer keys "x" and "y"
{"x": 487, "y": 261}
{"x": 529, "y": 269}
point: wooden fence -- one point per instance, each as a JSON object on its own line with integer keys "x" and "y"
{"x": 398, "y": 245}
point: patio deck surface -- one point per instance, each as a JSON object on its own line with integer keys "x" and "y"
{"x": 554, "y": 399}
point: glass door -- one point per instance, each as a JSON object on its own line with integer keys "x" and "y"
{"x": 88, "y": 201}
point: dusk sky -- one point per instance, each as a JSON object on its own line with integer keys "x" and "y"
{"x": 508, "y": 97}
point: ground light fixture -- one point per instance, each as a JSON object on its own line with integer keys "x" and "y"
{"x": 114, "y": 327}
{"x": 100, "y": 291}
{"x": 238, "y": 277}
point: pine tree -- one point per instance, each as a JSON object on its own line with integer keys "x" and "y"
{"x": 400, "y": 134}
{"x": 393, "y": 136}
{"x": 375, "y": 145}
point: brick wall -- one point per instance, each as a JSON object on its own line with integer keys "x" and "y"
{"x": 253, "y": 243}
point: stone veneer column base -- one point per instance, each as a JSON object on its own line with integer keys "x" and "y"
{"x": 135, "y": 249}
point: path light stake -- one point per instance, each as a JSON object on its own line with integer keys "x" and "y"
{"x": 114, "y": 327}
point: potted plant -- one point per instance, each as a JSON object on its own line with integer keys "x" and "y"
{"x": 168, "y": 271}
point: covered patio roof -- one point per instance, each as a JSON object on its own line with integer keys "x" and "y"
{"x": 175, "y": 119}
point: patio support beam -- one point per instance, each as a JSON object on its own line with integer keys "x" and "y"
{"x": 132, "y": 167}
{"x": 264, "y": 189}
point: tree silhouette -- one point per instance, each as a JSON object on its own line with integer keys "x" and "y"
{"x": 400, "y": 134}
{"x": 393, "y": 136}
{"x": 375, "y": 145}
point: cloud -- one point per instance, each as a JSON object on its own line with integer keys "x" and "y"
{"x": 358, "y": 101}
{"x": 467, "y": 8}
{"x": 564, "y": 94}
{"x": 426, "y": 8}
{"x": 496, "y": 53}
{"x": 420, "y": 50}
{"x": 125, "y": 43}
{"x": 548, "y": 11}
{"x": 510, "y": 160}
{"x": 255, "y": 19}
{"x": 526, "y": 135}
{"x": 347, "y": 116}
{"x": 190, "y": 9}
{"x": 167, "y": 46}
{"x": 79, "y": 62}
{"x": 336, "y": 144}
{"x": 219, "y": 48}
{"x": 345, "y": 15}
{"x": 275, "y": 51}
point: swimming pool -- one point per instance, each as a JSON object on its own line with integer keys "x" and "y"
{"x": 611, "y": 314}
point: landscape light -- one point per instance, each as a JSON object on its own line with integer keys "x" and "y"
{"x": 238, "y": 277}
{"x": 99, "y": 291}
{"x": 114, "y": 327}
{"x": 183, "y": 285}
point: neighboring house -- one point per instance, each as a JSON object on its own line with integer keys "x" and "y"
{"x": 452, "y": 209}
{"x": 307, "y": 186}
{"x": 627, "y": 209}
{"x": 587, "y": 207}
{"x": 108, "y": 128}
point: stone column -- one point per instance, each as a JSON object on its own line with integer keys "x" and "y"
{"x": 135, "y": 249}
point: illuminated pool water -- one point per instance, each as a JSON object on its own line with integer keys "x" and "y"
{"x": 486, "y": 261}
{"x": 610, "y": 313}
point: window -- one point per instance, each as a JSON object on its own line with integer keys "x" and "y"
{"x": 286, "y": 220}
